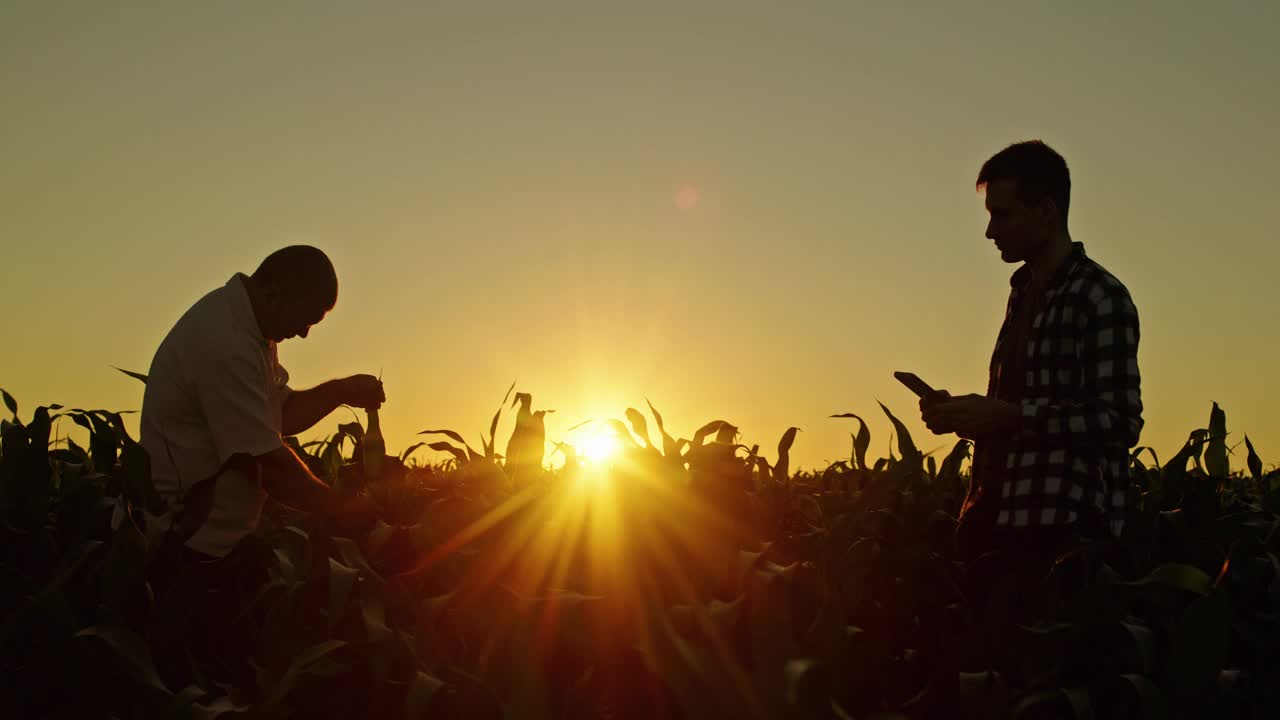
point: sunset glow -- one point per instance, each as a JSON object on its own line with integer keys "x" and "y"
{"x": 596, "y": 444}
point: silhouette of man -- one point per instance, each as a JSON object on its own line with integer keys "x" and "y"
{"x": 218, "y": 404}
{"x": 1063, "y": 403}
{"x": 216, "y": 390}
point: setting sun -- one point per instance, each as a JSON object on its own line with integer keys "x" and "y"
{"x": 596, "y": 444}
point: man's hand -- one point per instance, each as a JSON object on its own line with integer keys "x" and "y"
{"x": 363, "y": 391}
{"x": 969, "y": 416}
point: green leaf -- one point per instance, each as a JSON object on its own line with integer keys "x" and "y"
{"x": 1040, "y": 704}
{"x": 639, "y": 425}
{"x": 782, "y": 467}
{"x": 1139, "y": 450}
{"x": 341, "y": 579}
{"x": 26, "y": 477}
{"x": 423, "y": 689}
{"x": 807, "y": 687}
{"x": 131, "y": 652}
{"x": 1143, "y": 642}
{"x": 906, "y": 448}
{"x": 10, "y": 403}
{"x": 302, "y": 662}
{"x": 457, "y": 452}
{"x": 1196, "y": 442}
{"x": 620, "y": 432}
{"x": 860, "y": 442}
{"x": 726, "y": 433}
{"x": 1201, "y": 646}
{"x": 375, "y": 619}
{"x": 1180, "y": 576}
{"x": 1255, "y": 463}
{"x": 353, "y": 430}
{"x": 950, "y": 469}
{"x": 1149, "y": 695}
{"x": 1078, "y": 698}
{"x": 352, "y": 556}
{"x": 134, "y": 375}
{"x": 409, "y": 451}
{"x": 491, "y": 443}
{"x": 700, "y": 436}
{"x": 670, "y": 448}
{"x": 447, "y": 433}
{"x": 123, "y": 573}
{"x": 456, "y": 437}
{"x": 1215, "y": 454}
{"x": 139, "y": 488}
{"x": 103, "y": 443}
{"x": 186, "y": 705}
{"x": 657, "y": 416}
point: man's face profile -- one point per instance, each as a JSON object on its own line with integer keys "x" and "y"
{"x": 291, "y": 315}
{"x": 1018, "y": 229}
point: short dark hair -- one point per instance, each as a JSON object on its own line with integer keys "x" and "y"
{"x": 301, "y": 270}
{"x": 1038, "y": 170}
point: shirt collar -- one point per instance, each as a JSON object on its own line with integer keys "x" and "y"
{"x": 1022, "y": 275}
{"x": 242, "y": 307}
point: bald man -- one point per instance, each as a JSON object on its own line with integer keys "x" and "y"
{"x": 216, "y": 391}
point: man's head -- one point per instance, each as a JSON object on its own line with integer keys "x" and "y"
{"x": 295, "y": 287}
{"x": 1028, "y": 189}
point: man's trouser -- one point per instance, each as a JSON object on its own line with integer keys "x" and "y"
{"x": 205, "y": 615}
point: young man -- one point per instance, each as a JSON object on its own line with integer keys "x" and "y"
{"x": 216, "y": 393}
{"x": 1063, "y": 403}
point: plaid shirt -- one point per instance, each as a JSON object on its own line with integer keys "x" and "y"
{"x": 1081, "y": 401}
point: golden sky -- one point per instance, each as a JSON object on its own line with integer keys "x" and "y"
{"x": 750, "y": 211}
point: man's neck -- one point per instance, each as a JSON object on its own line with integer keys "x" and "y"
{"x": 1055, "y": 251}
{"x": 254, "y": 290}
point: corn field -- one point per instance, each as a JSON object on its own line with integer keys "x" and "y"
{"x": 689, "y": 576}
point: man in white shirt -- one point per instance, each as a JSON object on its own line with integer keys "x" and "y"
{"x": 216, "y": 392}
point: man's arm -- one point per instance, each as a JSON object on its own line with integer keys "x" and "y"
{"x": 1108, "y": 406}
{"x": 289, "y": 482}
{"x": 304, "y": 408}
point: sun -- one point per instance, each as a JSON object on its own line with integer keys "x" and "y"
{"x": 596, "y": 444}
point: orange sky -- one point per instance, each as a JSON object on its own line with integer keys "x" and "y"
{"x": 748, "y": 211}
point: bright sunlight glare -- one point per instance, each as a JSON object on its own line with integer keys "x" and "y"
{"x": 596, "y": 444}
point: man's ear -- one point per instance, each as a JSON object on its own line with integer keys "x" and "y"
{"x": 1049, "y": 207}
{"x": 271, "y": 295}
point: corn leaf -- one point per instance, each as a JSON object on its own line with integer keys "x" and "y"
{"x": 10, "y": 403}
{"x": 700, "y": 436}
{"x": 620, "y": 431}
{"x": 134, "y": 375}
{"x": 1215, "y": 454}
{"x": 861, "y": 441}
{"x": 639, "y": 425}
{"x": 782, "y": 467}
{"x": 906, "y": 448}
{"x": 453, "y": 436}
{"x": 670, "y": 448}
{"x": 409, "y": 451}
{"x": 1255, "y": 463}
{"x": 457, "y": 452}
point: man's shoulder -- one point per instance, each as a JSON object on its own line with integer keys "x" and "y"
{"x": 207, "y": 332}
{"x": 1096, "y": 284}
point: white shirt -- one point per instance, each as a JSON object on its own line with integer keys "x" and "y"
{"x": 215, "y": 388}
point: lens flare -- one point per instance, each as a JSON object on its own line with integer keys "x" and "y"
{"x": 596, "y": 444}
